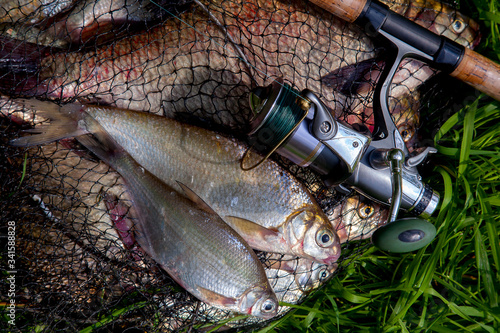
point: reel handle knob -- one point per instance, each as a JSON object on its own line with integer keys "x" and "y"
{"x": 404, "y": 235}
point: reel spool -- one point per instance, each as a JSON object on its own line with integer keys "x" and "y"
{"x": 284, "y": 122}
{"x": 277, "y": 114}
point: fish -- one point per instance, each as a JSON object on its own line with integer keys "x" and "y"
{"x": 267, "y": 206}
{"x": 32, "y": 35}
{"x": 65, "y": 23}
{"x": 441, "y": 19}
{"x": 31, "y": 11}
{"x": 308, "y": 275}
{"x": 205, "y": 75}
{"x": 356, "y": 218}
{"x": 291, "y": 278}
{"x": 184, "y": 235}
{"x": 100, "y": 21}
{"x": 406, "y": 116}
{"x": 405, "y": 113}
{"x": 90, "y": 17}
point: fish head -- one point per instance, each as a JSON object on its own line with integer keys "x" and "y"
{"x": 312, "y": 236}
{"x": 313, "y": 275}
{"x": 445, "y": 20}
{"x": 259, "y": 302}
{"x": 458, "y": 28}
{"x": 361, "y": 217}
{"x": 406, "y": 116}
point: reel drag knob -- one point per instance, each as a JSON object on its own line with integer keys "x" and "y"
{"x": 404, "y": 235}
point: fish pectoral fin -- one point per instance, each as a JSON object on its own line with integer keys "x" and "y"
{"x": 284, "y": 265}
{"x": 216, "y": 299}
{"x": 255, "y": 235}
{"x": 196, "y": 199}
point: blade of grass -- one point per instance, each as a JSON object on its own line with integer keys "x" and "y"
{"x": 493, "y": 234}
{"x": 115, "y": 314}
{"x": 468, "y": 130}
{"x": 484, "y": 268}
{"x": 336, "y": 309}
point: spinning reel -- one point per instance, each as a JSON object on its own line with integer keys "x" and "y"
{"x": 300, "y": 127}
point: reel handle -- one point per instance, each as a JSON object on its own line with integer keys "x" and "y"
{"x": 403, "y": 235}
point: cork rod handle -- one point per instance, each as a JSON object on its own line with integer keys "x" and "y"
{"x": 348, "y": 10}
{"x": 479, "y": 72}
{"x": 473, "y": 69}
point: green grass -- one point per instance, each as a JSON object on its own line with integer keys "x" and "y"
{"x": 452, "y": 285}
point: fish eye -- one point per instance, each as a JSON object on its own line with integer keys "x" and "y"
{"x": 324, "y": 238}
{"x": 268, "y": 306}
{"x": 458, "y": 25}
{"x": 366, "y": 210}
{"x": 407, "y": 133}
{"x": 324, "y": 274}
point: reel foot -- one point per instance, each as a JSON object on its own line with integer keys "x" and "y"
{"x": 404, "y": 235}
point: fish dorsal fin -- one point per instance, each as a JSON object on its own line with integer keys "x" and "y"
{"x": 216, "y": 299}
{"x": 196, "y": 199}
{"x": 256, "y": 235}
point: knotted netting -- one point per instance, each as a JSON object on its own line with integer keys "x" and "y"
{"x": 196, "y": 62}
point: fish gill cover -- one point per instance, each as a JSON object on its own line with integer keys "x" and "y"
{"x": 76, "y": 266}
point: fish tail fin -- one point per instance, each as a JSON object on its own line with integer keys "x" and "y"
{"x": 64, "y": 123}
{"x": 69, "y": 121}
{"x": 20, "y": 65}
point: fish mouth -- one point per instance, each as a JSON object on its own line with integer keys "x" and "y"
{"x": 477, "y": 40}
{"x": 331, "y": 259}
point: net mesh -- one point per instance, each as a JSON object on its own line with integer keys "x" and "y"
{"x": 195, "y": 61}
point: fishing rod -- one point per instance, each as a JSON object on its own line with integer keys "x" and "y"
{"x": 379, "y": 166}
{"x": 412, "y": 40}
